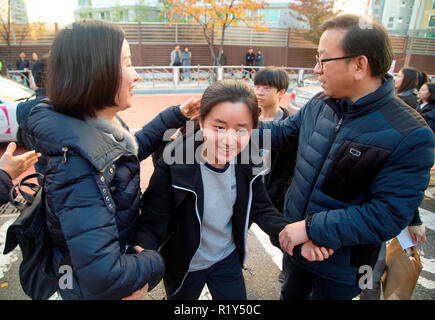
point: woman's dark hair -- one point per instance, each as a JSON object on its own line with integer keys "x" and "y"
{"x": 83, "y": 72}
{"x": 431, "y": 87}
{"x": 272, "y": 76}
{"x": 229, "y": 91}
{"x": 366, "y": 37}
{"x": 410, "y": 80}
{"x": 39, "y": 71}
{"x": 422, "y": 79}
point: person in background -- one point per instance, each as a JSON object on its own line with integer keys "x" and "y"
{"x": 34, "y": 60}
{"x": 176, "y": 59}
{"x": 186, "y": 57}
{"x": 270, "y": 85}
{"x": 11, "y": 167}
{"x": 24, "y": 108}
{"x": 259, "y": 60}
{"x": 422, "y": 79}
{"x": 249, "y": 61}
{"x": 23, "y": 64}
{"x": 406, "y": 86}
{"x": 427, "y": 106}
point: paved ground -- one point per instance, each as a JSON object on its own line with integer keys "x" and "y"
{"x": 263, "y": 261}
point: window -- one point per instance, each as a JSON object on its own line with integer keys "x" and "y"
{"x": 270, "y": 14}
{"x": 391, "y": 19}
{"x": 432, "y": 21}
{"x": 433, "y": 5}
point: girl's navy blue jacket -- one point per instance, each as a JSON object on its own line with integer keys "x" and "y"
{"x": 92, "y": 199}
{"x": 172, "y": 210}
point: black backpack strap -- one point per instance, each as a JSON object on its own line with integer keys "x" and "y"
{"x": 28, "y": 197}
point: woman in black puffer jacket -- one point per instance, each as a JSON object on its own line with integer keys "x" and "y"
{"x": 406, "y": 86}
{"x": 92, "y": 176}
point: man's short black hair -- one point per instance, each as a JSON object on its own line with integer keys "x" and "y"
{"x": 273, "y": 77}
{"x": 366, "y": 37}
{"x": 84, "y": 68}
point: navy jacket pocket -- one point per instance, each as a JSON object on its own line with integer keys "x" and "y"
{"x": 353, "y": 169}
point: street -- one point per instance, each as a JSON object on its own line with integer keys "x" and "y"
{"x": 263, "y": 263}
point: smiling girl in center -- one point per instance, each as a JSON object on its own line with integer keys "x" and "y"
{"x": 198, "y": 214}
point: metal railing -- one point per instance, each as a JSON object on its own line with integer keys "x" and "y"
{"x": 191, "y": 76}
{"x": 202, "y": 76}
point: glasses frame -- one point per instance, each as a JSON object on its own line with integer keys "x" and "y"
{"x": 321, "y": 61}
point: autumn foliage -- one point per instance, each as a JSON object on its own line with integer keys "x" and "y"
{"x": 314, "y": 13}
{"x": 215, "y": 16}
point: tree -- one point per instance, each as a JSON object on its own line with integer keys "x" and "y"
{"x": 313, "y": 12}
{"x": 215, "y": 16}
{"x": 13, "y": 25}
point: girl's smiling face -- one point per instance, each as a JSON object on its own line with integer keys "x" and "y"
{"x": 227, "y": 129}
{"x": 128, "y": 78}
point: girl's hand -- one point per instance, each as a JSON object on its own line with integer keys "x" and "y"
{"x": 190, "y": 108}
{"x": 311, "y": 252}
{"x": 139, "y": 294}
{"x": 417, "y": 233}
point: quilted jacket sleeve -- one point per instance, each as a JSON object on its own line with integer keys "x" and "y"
{"x": 391, "y": 203}
{"x": 156, "y": 207}
{"x": 150, "y": 137}
{"x": 91, "y": 235}
{"x": 284, "y": 134}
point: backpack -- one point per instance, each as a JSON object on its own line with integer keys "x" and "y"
{"x": 30, "y": 232}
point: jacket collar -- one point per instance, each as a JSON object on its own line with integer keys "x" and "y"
{"x": 54, "y": 131}
{"x": 365, "y": 105}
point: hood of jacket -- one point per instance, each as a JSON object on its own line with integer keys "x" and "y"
{"x": 53, "y": 132}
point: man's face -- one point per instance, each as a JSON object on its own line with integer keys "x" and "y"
{"x": 177, "y": 48}
{"x": 336, "y": 76}
{"x": 22, "y": 55}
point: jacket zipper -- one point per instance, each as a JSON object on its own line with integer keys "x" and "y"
{"x": 200, "y": 227}
{"x": 200, "y": 224}
{"x": 248, "y": 210}
{"x": 337, "y": 129}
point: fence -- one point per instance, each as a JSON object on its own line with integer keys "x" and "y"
{"x": 202, "y": 76}
{"x": 190, "y": 34}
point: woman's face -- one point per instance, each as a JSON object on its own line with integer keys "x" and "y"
{"x": 424, "y": 93}
{"x": 129, "y": 76}
{"x": 398, "y": 81}
{"x": 227, "y": 129}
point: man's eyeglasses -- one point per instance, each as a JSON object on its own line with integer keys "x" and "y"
{"x": 321, "y": 61}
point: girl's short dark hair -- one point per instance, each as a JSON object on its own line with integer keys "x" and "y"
{"x": 364, "y": 37}
{"x": 410, "y": 79}
{"x": 272, "y": 76}
{"x": 83, "y": 72}
{"x": 431, "y": 87}
{"x": 229, "y": 91}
